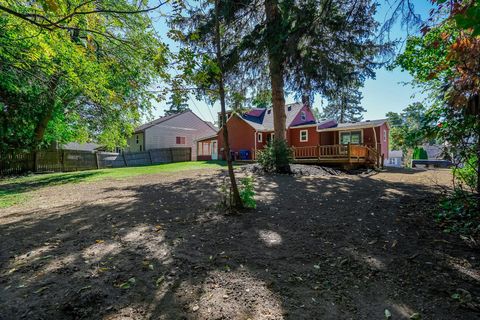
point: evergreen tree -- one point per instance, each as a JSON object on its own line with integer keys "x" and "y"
{"x": 345, "y": 106}
{"x": 177, "y": 103}
{"x": 305, "y": 47}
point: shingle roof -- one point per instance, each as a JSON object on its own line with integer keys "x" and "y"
{"x": 211, "y": 125}
{"x": 355, "y": 125}
{"x": 262, "y": 119}
{"x": 158, "y": 121}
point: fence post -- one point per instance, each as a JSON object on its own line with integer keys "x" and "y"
{"x": 150, "y": 156}
{"x": 171, "y": 155}
{"x": 35, "y": 161}
{"x": 124, "y": 159}
{"x": 97, "y": 160}
{"x": 63, "y": 160}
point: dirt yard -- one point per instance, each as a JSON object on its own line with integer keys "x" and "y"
{"x": 156, "y": 247}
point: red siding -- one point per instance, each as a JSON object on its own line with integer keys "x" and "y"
{"x": 369, "y": 138}
{"x": 240, "y": 135}
{"x": 327, "y": 138}
{"x": 294, "y": 137}
{"x": 384, "y": 144}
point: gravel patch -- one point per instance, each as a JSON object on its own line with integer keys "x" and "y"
{"x": 307, "y": 170}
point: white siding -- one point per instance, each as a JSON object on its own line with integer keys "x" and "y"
{"x": 188, "y": 125}
{"x": 132, "y": 145}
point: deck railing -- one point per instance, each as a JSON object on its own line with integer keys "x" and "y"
{"x": 337, "y": 152}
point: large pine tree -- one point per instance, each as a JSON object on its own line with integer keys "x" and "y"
{"x": 345, "y": 106}
{"x": 304, "y": 48}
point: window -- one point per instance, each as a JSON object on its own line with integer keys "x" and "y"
{"x": 141, "y": 148}
{"x": 136, "y": 139}
{"x": 303, "y": 135}
{"x": 289, "y": 108}
{"x": 180, "y": 140}
{"x": 303, "y": 116}
{"x": 269, "y": 111}
{"x": 384, "y": 135}
{"x": 259, "y": 137}
{"x": 353, "y": 137}
{"x": 270, "y": 137}
{"x": 204, "y": 149}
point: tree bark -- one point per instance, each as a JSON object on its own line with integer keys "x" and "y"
{"x": 277, "y": 69}
{"x": 237, "y": 201}
{"x": 42, "y": 124}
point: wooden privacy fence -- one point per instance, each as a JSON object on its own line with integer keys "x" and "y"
{"x": 75, "y": 160}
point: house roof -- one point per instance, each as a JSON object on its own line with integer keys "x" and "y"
{"x": 395, "y": 154}
{"x": 166, "y": 118}
{"x": 89, "y": 146}
{"x": 211, "y": 125}
{"x": 209, "y": 137}
{"x": 262, "y": 119}
{"x": 158, "y": 121}
{"x": 353, "y": 125}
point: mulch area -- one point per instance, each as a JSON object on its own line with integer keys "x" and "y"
{"x": 319, "y": 245}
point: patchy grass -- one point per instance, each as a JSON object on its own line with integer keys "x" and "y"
{"x": 15, "y": 190}
{"x": 10, "y": 198}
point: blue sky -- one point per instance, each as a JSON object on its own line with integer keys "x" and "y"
{"x": 387, "y": 92}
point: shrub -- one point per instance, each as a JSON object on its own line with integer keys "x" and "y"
{"x": 468, "y": 175}
{"x": 458, "y": 213}
{"x": 276, "y": 156}
{"x": 420, "y": 154}
{"x": 247, "y": 192}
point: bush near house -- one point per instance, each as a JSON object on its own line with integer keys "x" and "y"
{"x": 275, "y": 155}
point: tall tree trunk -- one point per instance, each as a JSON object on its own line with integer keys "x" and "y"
{"x": 343, "y": 107}
{"x": 42, "y": 124}
{"x": 277, "y": 69}
{"x": 237, "y": 201}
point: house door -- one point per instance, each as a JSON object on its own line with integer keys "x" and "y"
{"x": 214, "y": 150}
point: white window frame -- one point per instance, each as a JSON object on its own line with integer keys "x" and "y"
{"x": 350, "y": 131}
{"x": 306, "y": 136}
{"x": 303, "y": 116}
{"x": 384, "y": 135}
{"x": 259, "y": 137}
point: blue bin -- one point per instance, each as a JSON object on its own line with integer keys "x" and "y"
{"x": 244, "y": 154}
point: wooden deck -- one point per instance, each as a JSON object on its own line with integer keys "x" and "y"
{"x": 350, "y": 154}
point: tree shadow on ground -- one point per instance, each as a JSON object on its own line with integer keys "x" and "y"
{"x": 315, "y": 248}
{"x": 47, "y": 180}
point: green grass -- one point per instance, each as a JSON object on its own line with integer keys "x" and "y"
{"x": 15, "y": 190}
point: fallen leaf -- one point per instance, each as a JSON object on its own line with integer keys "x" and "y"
{"x": 99, "y": 241}
{"x": 388, "y": 314}
{"x": 84, "y": 288}
{"x": 415, "y": 316}
{"x": 41, "y": 289}
{"x": 159, "y": 281}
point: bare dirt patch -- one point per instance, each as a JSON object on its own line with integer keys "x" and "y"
{"x": 156, "y": 247}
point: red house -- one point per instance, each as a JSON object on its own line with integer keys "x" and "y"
{"x": 326, "y": 142}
